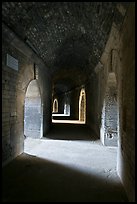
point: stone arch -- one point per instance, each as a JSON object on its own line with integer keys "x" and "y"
{"x": 55, "y": 106}
{"x": 33, "y": 113}
{"x": 67, "y": 109}
{"x": 82, "y": 105}
{"x": 66, "y": 105}
{"x": 109, "y": 120}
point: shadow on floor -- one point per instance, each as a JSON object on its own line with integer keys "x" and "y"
{"x": 31, "y": 179}
{"x": 71, "y": 132}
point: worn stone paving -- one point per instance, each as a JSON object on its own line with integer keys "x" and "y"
{"x": 63, "y": 170}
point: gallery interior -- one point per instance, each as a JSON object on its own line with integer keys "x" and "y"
{"x": 68, "y": 101}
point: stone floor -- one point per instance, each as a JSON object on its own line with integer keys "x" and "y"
{"x": 68, "y": 121}
{"x": 69, "y": 165}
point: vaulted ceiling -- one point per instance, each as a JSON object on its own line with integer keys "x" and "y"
{"x": 68, "y": 36}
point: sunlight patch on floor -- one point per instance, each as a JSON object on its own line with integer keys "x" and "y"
{"x": 68, "y": 121}
{"x": 85, "y": 156}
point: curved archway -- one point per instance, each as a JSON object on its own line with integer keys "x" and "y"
{"x": 67, "y": 109}
{"x": 109, "y": 123}
{"x": 33, "y": 113}
{"x": 82, "y": 105}
{"x": 55, "y": 106}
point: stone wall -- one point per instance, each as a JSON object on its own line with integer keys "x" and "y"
{"x": 14, "y": 86}
{"x": 119, "y": 58}
{"x": 92, "y": 109}
{"x": 126, "y": 153}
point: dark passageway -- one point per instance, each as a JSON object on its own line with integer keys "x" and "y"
{"x": 68, "y": 131}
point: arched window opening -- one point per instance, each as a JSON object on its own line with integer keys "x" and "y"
{"x": 55, "y": 106}
{"x": 109, "y": 126}
{"x": 33, "y": 111}
{"x": 66, "y": 109}
{"x": 82, "y": 105}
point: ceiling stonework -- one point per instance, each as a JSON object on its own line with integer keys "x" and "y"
{"x": 65, "y": 35}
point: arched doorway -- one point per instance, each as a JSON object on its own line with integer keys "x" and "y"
{"x": 67, "y": 109}
{"x": 55, "y": 106}
{"x": 109, "y": 123}
{"x": 33, "y": 113}
{"x": 82, "y": 105}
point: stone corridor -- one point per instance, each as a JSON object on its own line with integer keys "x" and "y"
{"x": 68, "y": 101}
